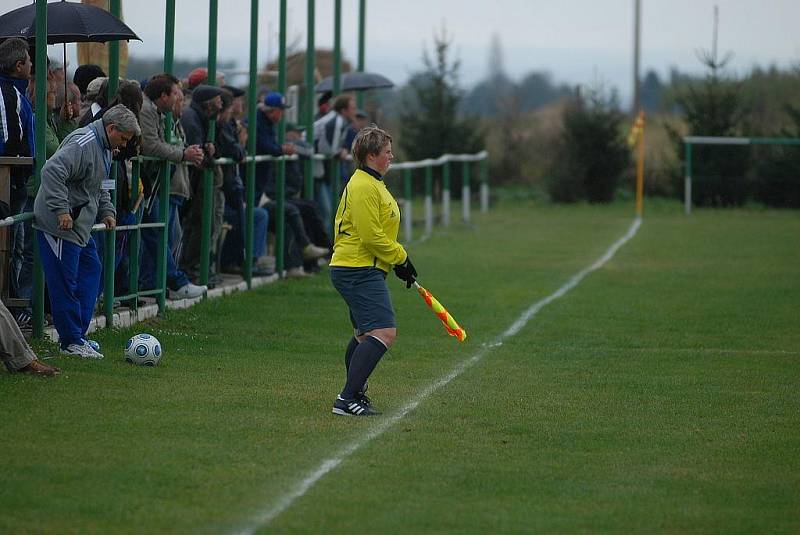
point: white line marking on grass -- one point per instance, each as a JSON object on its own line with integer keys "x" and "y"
{"x": 286, "y": 500}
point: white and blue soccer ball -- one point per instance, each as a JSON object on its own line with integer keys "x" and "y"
{"x": 143, "y": 349}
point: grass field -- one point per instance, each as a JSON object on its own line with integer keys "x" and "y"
{"x": 659, "y": 395}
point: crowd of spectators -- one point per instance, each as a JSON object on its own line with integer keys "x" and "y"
{"x": 88, "y": 135}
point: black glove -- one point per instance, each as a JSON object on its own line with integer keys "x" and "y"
{"x": 406, "y": 272}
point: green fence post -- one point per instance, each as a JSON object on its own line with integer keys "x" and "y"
{"x": 250, "y": 173}
{"x": 428, "y": 199}
{"x": 134, "y": 239}
{"x": 446, "y": 193}
{"x": 465, "y": 190}
{"x": 337, "y": 47}
{"x": 41, "y": 104}
{"x": 280, "y": 223}
{"x": 208, "y": 174}
{"x": 310, "y": 100}
{"x": 111, "y": 235}
{"x": 408, "y": 207}
{"x": 362, "y": 26}
{"x": 164, "y": 192}
{"x": 687, "y": 180}
{"x": 336, "y": 184}
{"x": 484, "y": 178}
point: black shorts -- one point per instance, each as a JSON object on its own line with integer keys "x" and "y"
{"x": 367, "y": 296}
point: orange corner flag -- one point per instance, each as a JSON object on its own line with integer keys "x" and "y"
{"x": 450, "y": 324}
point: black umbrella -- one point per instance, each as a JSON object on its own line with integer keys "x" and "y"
{"x": 355, "y": 81}
{"x": 67, "y": 22}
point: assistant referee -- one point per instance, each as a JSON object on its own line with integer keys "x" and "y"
{"x": 365, "y": 248}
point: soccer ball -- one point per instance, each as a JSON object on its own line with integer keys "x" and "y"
{"x": 143, "y": 349}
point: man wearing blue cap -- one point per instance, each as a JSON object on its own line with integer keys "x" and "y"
{"x": 298, "y": 244}
{"x": 266, "y": 140}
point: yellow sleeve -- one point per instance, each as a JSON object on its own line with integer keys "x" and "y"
{"x": 365, "y": 213}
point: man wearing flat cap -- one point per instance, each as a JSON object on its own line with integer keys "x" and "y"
{"x": 206, "y": 105}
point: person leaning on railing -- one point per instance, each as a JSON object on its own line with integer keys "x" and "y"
{"x": 160, "y": 95}
{"x": 205, "y": 106}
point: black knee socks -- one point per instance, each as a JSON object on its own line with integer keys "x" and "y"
{"x": 348, "y": 354}
{"x": 365, "y": 357}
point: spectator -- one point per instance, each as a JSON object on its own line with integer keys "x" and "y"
{"x": 299, "y": 246}
{"x": 199, "y": 76}
{"x": 323, "y": 104}
{"x": 16, "y": 114}
{"x": 232, "y": 253}
{"x": 96, "y": 100}
{"x": 360, "y": 120}
{"x": 266, "y": 141}
{"x": 74, "y": 192}
{"x": 16, "y": 139}
{"x": 14, "y": 350}
{"x": 308, "y": 209}
{"x": 329, "y": 135}
{"x": 84, "y": 74}
{"x": 180, "y": 187}
{"x": 67, "y": 109}
{"x": 205, "y": 106}
{"x": 160, "y": 95}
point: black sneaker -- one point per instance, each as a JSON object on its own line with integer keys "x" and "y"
{"x": 352, "y": 407}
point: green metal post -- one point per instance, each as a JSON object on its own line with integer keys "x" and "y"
{"x": 208, "y": 174}
{"x": 362, "y": 27}
{"x": 163, "y": 194}
{"x": 280, "y": 231}
{"x": 111, "y": 235}
{"x": 41, "y": 108}
{"x": 687, "y": 180}
{"x": 465, "y": 190}
{"x": 337, "y": 47}
{"x": 407, "y": 205}
{"x": 310, "y": 100}
{"x": 446, "y": 193}
{"x": 134, "y": 238}
{"x": 250, "y": 176}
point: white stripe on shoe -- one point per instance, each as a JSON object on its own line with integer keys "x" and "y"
{"x": 286, "y": 500}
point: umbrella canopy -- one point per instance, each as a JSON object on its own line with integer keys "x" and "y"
{"x": 67, "y": 22}
{"x": 355, "y": 81}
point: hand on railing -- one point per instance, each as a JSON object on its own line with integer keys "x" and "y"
{"x": 193, "y": 154}
{"x": 109, "y": 222}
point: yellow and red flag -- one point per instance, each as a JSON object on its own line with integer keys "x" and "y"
{"x": 450, "y": 324}
{"x": 637, "y": 129}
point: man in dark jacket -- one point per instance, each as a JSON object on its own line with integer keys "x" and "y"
{"x": 206, "y": 105}
{"x": 16, "y": 114}
{"x": 267, "y": 118}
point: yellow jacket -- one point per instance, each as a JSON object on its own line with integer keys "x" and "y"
{"x": 366, "y": 225}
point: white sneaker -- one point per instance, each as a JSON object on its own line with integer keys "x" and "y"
{"x": 297, "y": 273}
{"x": 266, "y": 261}
{"x": 188, "y": 291}
{"x": 83, "y": 351}
{"x": 311, "y": 252}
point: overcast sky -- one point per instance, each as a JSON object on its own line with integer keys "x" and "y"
{"x": 578, "y": 41}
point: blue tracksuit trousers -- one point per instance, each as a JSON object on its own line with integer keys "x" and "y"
{"x": 72, "y": 273}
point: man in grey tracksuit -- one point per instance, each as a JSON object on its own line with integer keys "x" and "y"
{"x": 73, "y": 194}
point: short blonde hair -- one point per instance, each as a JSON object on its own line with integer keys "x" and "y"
{"x": 369, "y": 140}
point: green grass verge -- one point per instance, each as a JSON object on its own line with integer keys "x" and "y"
{"x": 658, "y": 395}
